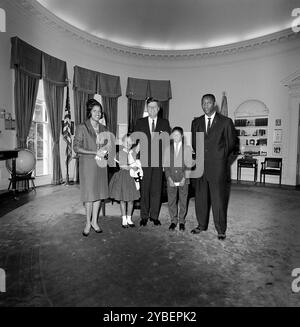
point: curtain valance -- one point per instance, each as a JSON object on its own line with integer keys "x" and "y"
{"x": 54, "y": 70}
{"x": 37, "y": 63}
{"x": 140, "y": 89}
{"x": 93, "y": 82}
{"x": 26, "y": 57}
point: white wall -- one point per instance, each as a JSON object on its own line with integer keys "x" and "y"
{"x": 255, "y": 74}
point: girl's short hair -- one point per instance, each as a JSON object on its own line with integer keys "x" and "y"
{"x": 90, "y": 104}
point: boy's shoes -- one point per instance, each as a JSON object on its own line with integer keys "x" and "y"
{"x": 172, "y": 227}
{"x": 221, "y": 237}
{"x": 181, "y": 227}
{"x": 156, "y": 222}
{"x": 143, "y": 222}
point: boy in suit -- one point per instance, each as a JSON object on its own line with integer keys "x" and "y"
{"x": 151, "y": 184}
{"x": 211, "y": 190}
{"x": 177, "y": 160}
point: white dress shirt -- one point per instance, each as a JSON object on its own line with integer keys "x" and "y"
{"x": 150, "y": 123}
{"x": 177, "y": 147}
{"x": 211, "y": 120}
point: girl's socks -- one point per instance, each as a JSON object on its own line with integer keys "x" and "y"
{"x": 124, "y": 220}
{"x": 129, "y": 221}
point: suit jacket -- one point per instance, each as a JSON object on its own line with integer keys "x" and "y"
{"x": 85, "y": 137}
{"x": 175, "y": 166}
{"x": 162, "y": 125}
{"x": 219, "y": 143}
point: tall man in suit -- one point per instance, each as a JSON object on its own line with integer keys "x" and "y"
{"x": 211, "y": 190}
{"x": 151, "y": 183}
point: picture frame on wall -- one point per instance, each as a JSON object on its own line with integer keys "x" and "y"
{"x": 277, "y": 149}
{"x": 10, "y": 124}
{"x": 277, "y": 122}
{"x": 277, "y": 137}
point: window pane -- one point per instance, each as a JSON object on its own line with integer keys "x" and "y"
{"x": 38, "y": 140}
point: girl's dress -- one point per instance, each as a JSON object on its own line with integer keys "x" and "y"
{"x": 122, "y": 186}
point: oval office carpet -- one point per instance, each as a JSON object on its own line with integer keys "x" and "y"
{"x": 49, "y": 263}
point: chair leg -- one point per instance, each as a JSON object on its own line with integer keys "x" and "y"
{"x": 260, "y": 177}
{"x": 33, "y": 185}
{"x": 9, "y": 186}
{"x": 103, "y": 207}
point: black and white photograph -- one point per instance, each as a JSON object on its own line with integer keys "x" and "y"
{"x": 149, "y": 157}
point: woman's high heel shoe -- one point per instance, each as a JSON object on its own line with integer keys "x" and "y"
{"x": 85, "y": 234}
{"x": 97, "y": 230}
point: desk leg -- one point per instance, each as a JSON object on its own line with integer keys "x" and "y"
{"x": 13, "y": 177}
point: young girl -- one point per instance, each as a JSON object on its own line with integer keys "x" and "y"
{"x": 122, "y": 186}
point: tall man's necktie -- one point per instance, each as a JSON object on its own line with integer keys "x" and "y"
{"x": 208, "y": 125}
{"x": 152, "y": 127}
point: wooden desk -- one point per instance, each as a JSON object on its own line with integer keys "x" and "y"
{"x": 11, "y": 154}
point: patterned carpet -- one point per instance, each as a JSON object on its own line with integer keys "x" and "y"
{"x": 49, "y": 263}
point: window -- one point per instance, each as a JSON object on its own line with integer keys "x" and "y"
{"x": 39, "y": 138}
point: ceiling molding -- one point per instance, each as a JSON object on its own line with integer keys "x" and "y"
{"x": 34, "y": 8}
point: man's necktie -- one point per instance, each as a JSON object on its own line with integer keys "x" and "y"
{"x": 208, "y": 125}
{"x": 152, "y": 128}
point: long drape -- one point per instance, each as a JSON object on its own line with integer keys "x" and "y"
{"x": 87, "y": 83}
{"x": 135, "y": 111}
{"x": 31, "y": 64}
{"x": 110, "y": 108}
{"x": 138, "y": 90}
{"x": 54, "y": 96}
{"x": 80, "y": 99}
{"x": 26, "y": 89}
{"x": 164, "y": 109}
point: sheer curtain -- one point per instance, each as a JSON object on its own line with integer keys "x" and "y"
{"x": 54, "y": 97}
{"x": 55, "y": 79}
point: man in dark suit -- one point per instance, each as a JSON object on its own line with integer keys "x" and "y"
{"x": 151, "y": 184}
{"x": 211, "y": 190}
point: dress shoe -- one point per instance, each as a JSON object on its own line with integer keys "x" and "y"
{"x": 172, "y": 227}
{"x": 181, "y": 227}
{"x": 197, "y": 230}
{"x": 221, "y": 237}
{"x": 143, "y": 222}
{"x": 131, "y": 225}
{"x": 156, "y": 222}
{"x": 125, "y": 226}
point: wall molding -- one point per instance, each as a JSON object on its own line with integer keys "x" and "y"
{"x": 32, "y": 7}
